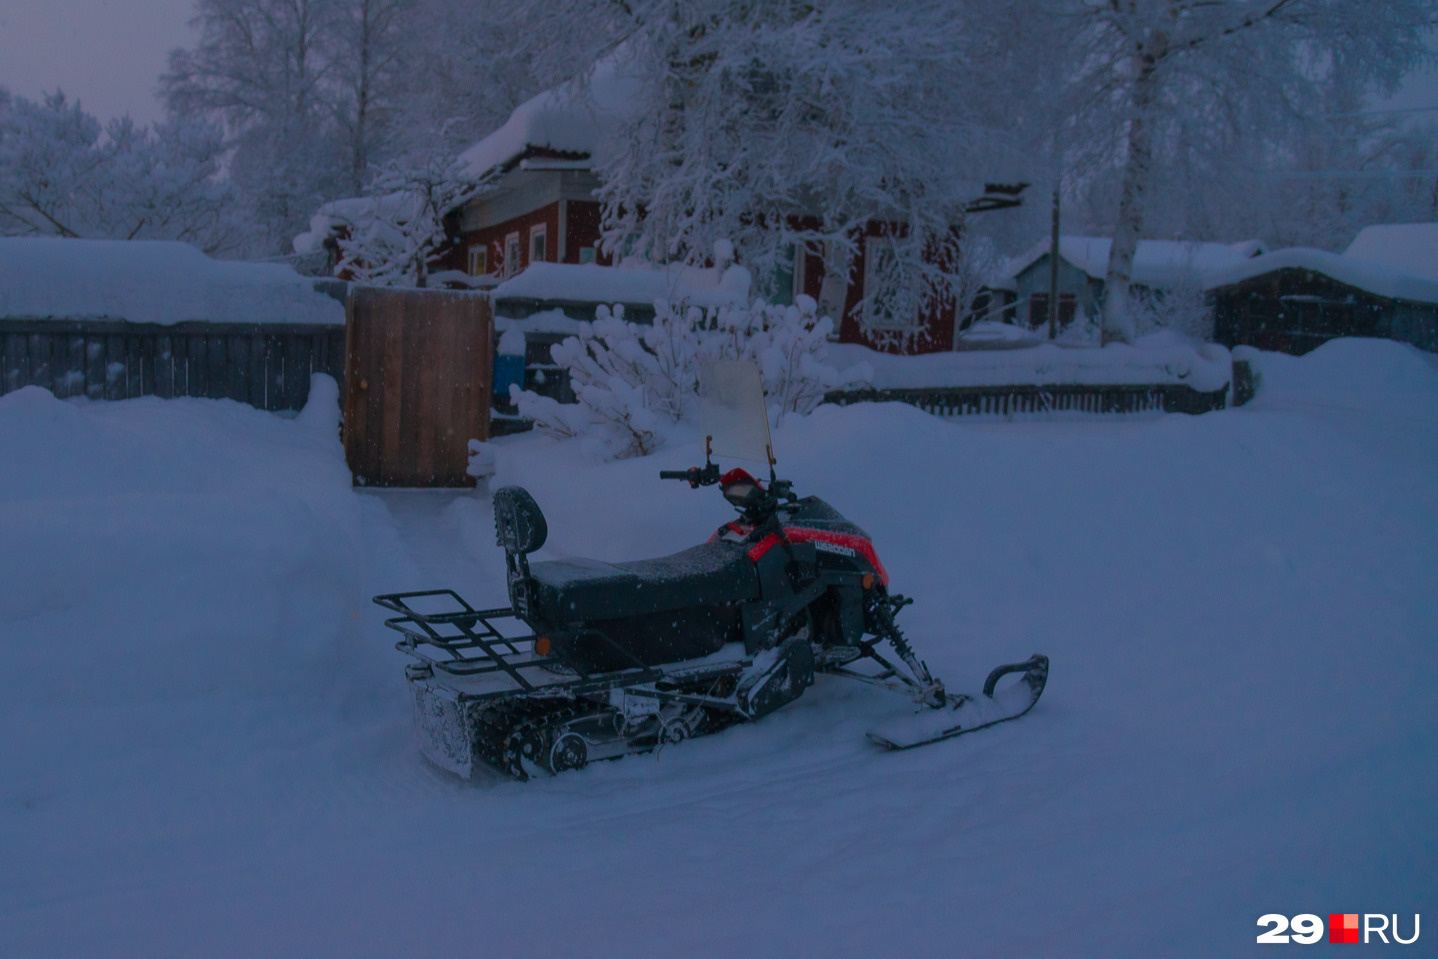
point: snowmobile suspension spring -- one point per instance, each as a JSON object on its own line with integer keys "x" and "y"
{"x": 882, "y": 609}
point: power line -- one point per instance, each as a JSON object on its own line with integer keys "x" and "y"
{"x": 1374, "y": 113}
{"x": 1352, "y": 175}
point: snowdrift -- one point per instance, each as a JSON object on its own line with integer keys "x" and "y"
{"x": 206, "y": 751}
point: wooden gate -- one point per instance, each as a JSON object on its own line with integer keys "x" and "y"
{"x": 417, "y": 374}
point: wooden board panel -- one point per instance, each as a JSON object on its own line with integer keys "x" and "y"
{"x": 17, "y": 361}
{"x": 217, "y": 362}
{"x": 197, "y": 378}
{"x": 40, "y": 360}
{"x": 255, "y": 375}
{"x": 417, "y": 384}
{"x": 115, "y": 372}
{"x": 164, "y": 367}
{"x": 134, "y": 367}
{"x": 95, "y": 367}
{"x": 274, "y": 372}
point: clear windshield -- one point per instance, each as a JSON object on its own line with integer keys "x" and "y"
{"x": 732, "y": 412}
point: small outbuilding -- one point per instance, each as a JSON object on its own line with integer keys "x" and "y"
{"x": 1384, "y": 285}
{"x": 1158, "y": 266}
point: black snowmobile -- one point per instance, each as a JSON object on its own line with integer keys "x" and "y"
{"x": 595, "y": 660}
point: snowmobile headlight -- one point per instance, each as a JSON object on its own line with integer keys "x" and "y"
{"x": 541, "y": 646}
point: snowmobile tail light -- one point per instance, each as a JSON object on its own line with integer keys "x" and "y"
{"x": 541, "y": 646}
{"x": 868, "y": 581}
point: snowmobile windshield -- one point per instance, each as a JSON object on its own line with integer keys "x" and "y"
{"x": 732, "y": 412}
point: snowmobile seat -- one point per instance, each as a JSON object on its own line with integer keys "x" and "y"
{"x": 575, "y": 590}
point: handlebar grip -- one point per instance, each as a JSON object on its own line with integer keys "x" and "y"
{"x": 674, "y": 474}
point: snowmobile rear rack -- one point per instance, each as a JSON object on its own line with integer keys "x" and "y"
{"x": 471, "y": 644}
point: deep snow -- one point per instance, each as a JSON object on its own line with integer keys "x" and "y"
{"x": 204, "y": 731}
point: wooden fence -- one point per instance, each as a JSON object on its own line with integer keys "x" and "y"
{"x": 1054, "y": 398}
{"x": 265, "y": 365}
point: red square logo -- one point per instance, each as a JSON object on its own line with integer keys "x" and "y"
{"x": 1343, "y": 927}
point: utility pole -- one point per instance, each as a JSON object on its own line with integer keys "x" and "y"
{"x": 1054, "y": 266}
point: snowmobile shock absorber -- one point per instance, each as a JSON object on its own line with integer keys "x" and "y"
{"x": 881, "y": 610}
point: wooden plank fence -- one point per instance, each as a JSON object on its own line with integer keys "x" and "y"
{"x": 267, "y": 366}
{"x": 1053, "y": 398}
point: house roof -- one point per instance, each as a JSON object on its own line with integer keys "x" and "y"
{"x": 570, "y": 120}
{"x": 1407, "y": 247}
{"x": 1363, "y": 274}
{"x": 1156, "y": 263}
{"x": 152, "y": 281}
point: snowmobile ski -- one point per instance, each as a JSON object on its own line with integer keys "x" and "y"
{"x": 964, "y": 714}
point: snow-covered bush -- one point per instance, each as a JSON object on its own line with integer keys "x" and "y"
{"x": 632, "y": 381}
{"x": 1181, "y": 309}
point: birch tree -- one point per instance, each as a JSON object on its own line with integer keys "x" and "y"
{"x": 1166, "y": 75}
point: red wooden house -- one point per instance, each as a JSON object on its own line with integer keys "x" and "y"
{"x": 539, "y": 205}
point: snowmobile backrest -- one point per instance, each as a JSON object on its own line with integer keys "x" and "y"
{"x": 519, "y": 524}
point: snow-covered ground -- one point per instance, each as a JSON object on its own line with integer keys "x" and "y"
{"x": 204, "y": 730}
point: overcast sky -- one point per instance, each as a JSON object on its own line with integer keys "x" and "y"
{"x": 108, "y": 53}
{"x": 105, "y": 53}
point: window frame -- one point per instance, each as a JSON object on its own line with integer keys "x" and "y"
{"x": 512, "y": 264}
{"x": 478, "y": 260}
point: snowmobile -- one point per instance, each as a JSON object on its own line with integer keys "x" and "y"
{"x": 596, "y": 660}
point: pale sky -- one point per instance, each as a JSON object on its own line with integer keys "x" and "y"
{"x": 105, "y": 53}
{"x": 108, "y": 53}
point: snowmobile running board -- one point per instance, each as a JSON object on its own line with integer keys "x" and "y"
{"x": 964, "y": 713}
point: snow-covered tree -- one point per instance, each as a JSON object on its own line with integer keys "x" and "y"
{"x": 307, "y": 92}
{"x": 392, "y": 237}
{"x": 64, "y": 174}
{"x": 367, "y": 46}
{"x": 788, "y": 124}
{"x": 1160, "y": 78}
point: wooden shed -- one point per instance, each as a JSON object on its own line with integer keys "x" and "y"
{"x": 1294, "y": 300}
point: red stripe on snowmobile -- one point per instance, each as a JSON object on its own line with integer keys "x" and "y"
{"x": 798, "y": 534}
{"x": 764, "y": 545}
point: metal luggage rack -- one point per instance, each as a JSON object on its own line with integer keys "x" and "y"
{"x": 478, "y": 648}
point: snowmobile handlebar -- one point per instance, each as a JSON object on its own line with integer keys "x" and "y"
{"x": 696, "y": 476}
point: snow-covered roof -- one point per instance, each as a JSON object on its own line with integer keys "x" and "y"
{"x": 1407, "y": 247}
{"x": 151, "y": 281}
{"x": 351, "y": 211}
{"x": 590, "y": 283}
{"x": 571, "y": 118}
{"x": 1156, "y": 263}
{"x": 1363, "y": 274}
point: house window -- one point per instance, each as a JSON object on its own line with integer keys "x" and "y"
{"x": 511, "y": 255}
{"x": 788, "y": 279}
{"x": 536, "y": 244}
{"x": 478, "y": 260}
{"x": 884, "y": 290}
{"x": 1039, "y": 309}
{"x": 586, "y": 254}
